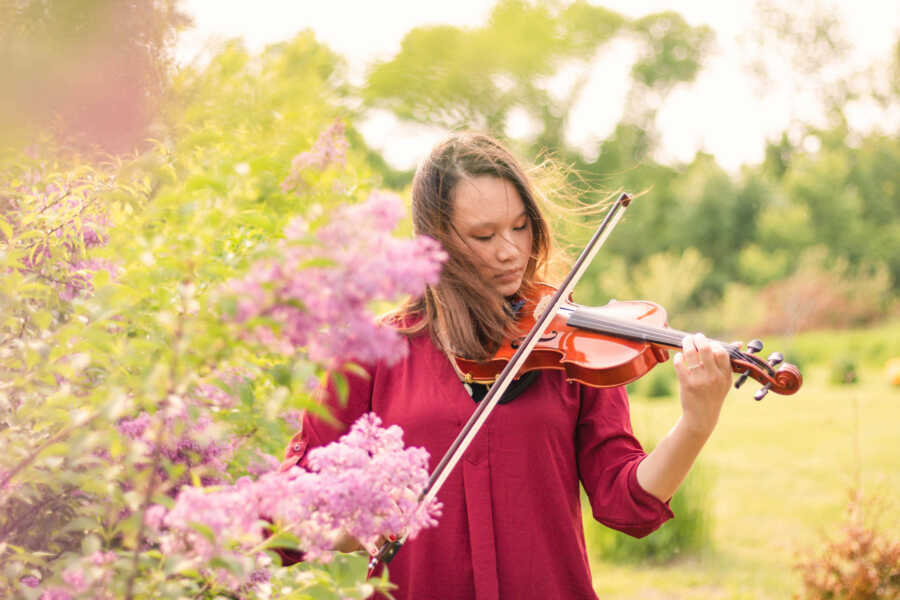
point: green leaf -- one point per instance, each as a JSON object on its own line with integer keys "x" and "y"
{"x": 321, "y": 262}
{"x": 284, "y": 539}
{"x": 340, "y": 384}
{"x": 204, "y": 530}
{"x": 282, "y": 375}
{"x": 42, "y": 318}
{"x": 201, "y": 182}
{"x": 90, "y": 544}
{"x": 247, "y": 396}
{"x": 56, "y": 449}
{"x": 355, "y": 369}
{"x": 6, "y": 229}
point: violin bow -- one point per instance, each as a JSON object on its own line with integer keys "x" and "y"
{"x": 389, "y": 549}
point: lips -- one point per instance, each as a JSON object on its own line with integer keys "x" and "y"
{"x": 510, "y": 275}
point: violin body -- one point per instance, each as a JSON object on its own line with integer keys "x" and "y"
{"x": 577, "y": 351}
{"x": 612, "y": 345}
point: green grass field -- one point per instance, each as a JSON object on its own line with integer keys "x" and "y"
{"x": 782, "y": 471}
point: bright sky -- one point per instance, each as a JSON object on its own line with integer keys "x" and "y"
{"x": 722, "y": 112}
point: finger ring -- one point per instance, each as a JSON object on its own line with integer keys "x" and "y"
{"x": 697, "y": 366}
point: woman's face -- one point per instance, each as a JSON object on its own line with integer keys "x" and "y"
{"x": 493, "y": 229}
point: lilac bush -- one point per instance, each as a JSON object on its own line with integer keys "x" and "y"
{"x": 139, "y": 459}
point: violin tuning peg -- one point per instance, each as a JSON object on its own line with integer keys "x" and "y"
{"x": 754, "y": 346}
{"x": 775, "y": 358}
{"x": 740, "y": 380}
{"x": 761, "y": 392}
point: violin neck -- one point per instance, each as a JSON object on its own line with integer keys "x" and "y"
{"x": 592, "y": 320}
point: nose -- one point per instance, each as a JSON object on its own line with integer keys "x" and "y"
{"x": 506, "y": 251}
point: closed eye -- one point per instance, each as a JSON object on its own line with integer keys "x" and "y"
{"x": 487, "y": 238}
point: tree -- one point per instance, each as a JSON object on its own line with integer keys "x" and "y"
{"x": 94, "y": 71}
{"x": 480, "y": 78}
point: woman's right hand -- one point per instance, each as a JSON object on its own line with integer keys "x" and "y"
{"x": 348, "y": 543}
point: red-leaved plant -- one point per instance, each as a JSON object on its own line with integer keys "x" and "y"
{"x": 862, "y": 564}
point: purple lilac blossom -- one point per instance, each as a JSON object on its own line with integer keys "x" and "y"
{"x": 81, "y": 277}
{"x": 100, "y": 558}
{"x": 80, "y": 226}
{"x": 218, "y": 389}
{"x": 214, "y": 395}
{"x": 366, "y": 484}
{"x": 134, "y": 428}
{"x": 75, "y": 579}
{"x": 324, "y": 308}
{"x": 293, "y": 418}
{"x": 262, "y": 463}
{"x": 56, "y": 593}
{"x": 330, "y": 148}
{"x": 194, "y": 442}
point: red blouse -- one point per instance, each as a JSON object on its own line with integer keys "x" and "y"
{"x": 511, "y": 519}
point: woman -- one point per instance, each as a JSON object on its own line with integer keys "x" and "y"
{"x": 511, "y": 519}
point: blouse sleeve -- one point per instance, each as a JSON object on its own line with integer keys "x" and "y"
{"x": 316, "y": 431}
{"x": 608, "y": 455}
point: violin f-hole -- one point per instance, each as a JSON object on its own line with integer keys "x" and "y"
{"x": 547, "y": 337}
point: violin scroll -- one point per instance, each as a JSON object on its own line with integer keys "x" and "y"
{"x": 785, "y": 380}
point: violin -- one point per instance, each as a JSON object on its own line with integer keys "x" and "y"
{"x": 615, "y": 344}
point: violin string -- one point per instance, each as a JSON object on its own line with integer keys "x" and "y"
{"x": 602, "y": 324}
{"x": 671, "y": 337}
{"x": 591, "y": 321}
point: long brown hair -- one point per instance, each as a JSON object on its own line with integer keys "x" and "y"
{"x": 464, "y": 314}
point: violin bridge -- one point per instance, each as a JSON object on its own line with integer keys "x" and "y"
{"x": 541, "y": 306}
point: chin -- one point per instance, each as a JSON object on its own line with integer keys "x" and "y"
{"x": 509, "y": 289}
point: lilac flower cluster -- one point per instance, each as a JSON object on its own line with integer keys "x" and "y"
{"x": 56, "y": 593}
{"x": 89, "y": 577}
{"x": 366, "y": 484}
{"x": 329, "y": 149}
{"x": 81, "y": 276}
{"x": 293, "y": 418}
{"x": 375, "y": 483}
{"x": 318, "y": 291}
{"x": 211, "y": 392}
{"x": 262, "y": 463}
{"x": 73, "y": 225}
{"x": 196, "y": 444}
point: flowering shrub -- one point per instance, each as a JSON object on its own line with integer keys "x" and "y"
{"x": 138, "y": 388}
{"x": 820, "y": 295}
{"x": 864, "y": 564}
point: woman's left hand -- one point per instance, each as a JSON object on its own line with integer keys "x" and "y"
{"x": 704, "y": 377}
